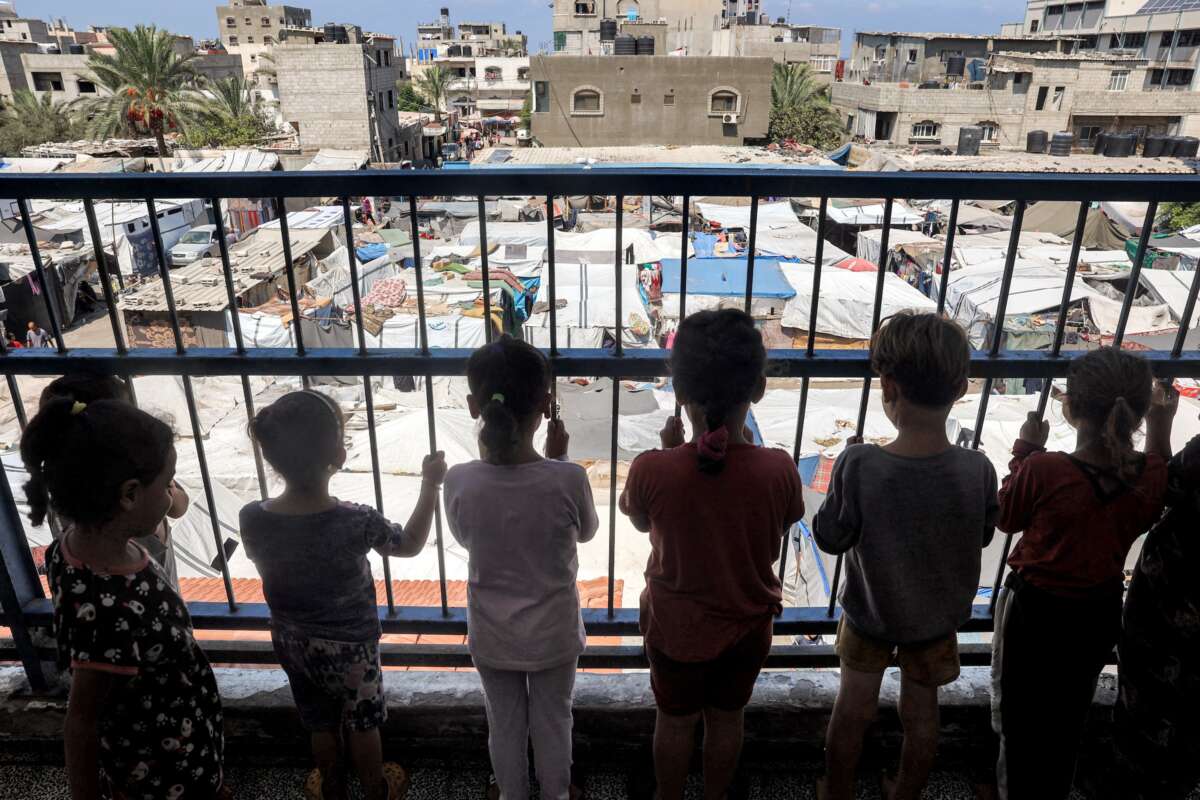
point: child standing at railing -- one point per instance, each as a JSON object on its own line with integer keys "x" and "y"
{"x": 716, "y": 510}
{"x": 1059, "y": 615}
{"x": 521, "y": 516}
{"x": 86, "y": 388}
{"x": 144, "y": 717}
{"x": 311, "y": 551}
{"x": 913, "y": 517}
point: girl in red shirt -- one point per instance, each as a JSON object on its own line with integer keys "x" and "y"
{"x": 1059, "y": 616}
{"x": 716, "y": 510}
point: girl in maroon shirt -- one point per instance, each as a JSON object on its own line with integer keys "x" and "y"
{"x": 1059, "y": 616}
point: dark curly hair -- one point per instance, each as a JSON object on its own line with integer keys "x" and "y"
{"x": 78, "y": 457}
{"x": 86, "y": 388}
{"x": 717, "y": 362}
{"x": 300, "y": 435}
{"x": 509, "y": 378}
{"x": 926, "y": 355}
{"x": 1111, "y": 390}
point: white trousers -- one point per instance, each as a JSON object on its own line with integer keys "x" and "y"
{"x": 530, "y": 705}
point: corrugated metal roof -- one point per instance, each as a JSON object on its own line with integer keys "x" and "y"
{"x": 316, "y": 218}
{"x": 230, "y": 161}
{"x": 201, "y": 286}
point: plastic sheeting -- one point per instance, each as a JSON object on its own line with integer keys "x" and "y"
{"x": 1172, "y": 286}
{"x": 873, "y": 215}
{"x": 869, "y": 241}
{"x": 593, "y": 247}
{"x": 973, "y": 293}
{"x": 771, "y": 216}
{"x": 847, "y": 300}
{"x": 1099, "y": 232}
{"x": 796, "y": 243}
{"x": 1106, "y": 313}
{"x": 263, "y": 330}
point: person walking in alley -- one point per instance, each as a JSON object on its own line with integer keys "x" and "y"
{"x": 913, "y": 557}
{"x": 311, "y": 551}
{"x": 144, "y": 717}
{"x": 716, "y": 509}
{"x": 1059, "y": 616}
{"x": 521, "y": 517}
{"x": 35, "y": 336}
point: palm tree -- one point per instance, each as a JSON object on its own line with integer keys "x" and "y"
{"x": 800, "y": 107}
{"x": 233, "y": 99}
{"x": 152, "y": 86}
{"x": 28, "y": 120}
{"x": 433, "y": 83}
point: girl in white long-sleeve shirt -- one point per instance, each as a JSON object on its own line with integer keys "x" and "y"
{"x": 520, "y": 516}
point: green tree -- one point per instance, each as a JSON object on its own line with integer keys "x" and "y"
{"x": 152, "y": 87}
{"x": 28, "y": 120}
{"x": 1181, "y": 215}
{"x": 527, "y": 113}
{"x": 433, "y": 84}
{"x": 800, "y": 109}
{"x": 408, "y": 98}
{"x": 231, "y": 114}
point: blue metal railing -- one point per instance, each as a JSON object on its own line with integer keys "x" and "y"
{"x": 21, "y": 597}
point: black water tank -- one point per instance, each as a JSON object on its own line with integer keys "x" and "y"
{"x": 956, "y": 65}
{"x": 645, "y": 45}
{"x": 1120, "y": 145}
{"x": 1062, "y": 144}
{"x": 625, "y": 45}
{"x": 969, "y": 137}
{"x": 1098, "y": 143}
{"x": 1036, "y": 142}
{"x": 1157, "y": 145}
{"x": 1186, "y": 147}
{"x": 608, "y": 30}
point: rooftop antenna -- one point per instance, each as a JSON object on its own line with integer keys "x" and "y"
{"x": 789, "y": 14}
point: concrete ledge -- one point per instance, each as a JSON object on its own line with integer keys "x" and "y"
{"x": 440, "y": 714}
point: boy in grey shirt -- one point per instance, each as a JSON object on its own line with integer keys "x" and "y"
{"x": 913, "y": 518}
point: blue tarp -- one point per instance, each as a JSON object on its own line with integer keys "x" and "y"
{"x": 726, "y": 277}
{"x": 705, "y": 244}
{"x": 841, "y": 155}
{"x": 369, "y": 252}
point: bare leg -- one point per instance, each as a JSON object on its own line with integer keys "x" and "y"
{"x": 327, "y": 752}
{"x": 674, "y": 740}
{"x": 919, "y": 716}
{"x": 853, "y": 712}
{"x": 722, "y": 747}
{"x": 366, "y": 752}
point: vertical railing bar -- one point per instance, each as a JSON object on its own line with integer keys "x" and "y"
{"x": 553, "y": 283}
{"x": 948, "y": 257}
{"x": 1010, "y": 261}
{"x": 227, "y": 272}
{"x": 209, "y": 497}
{"x": 89, "y": 211}
{"x": 429, "y": 416}
{"x": 14, "y": 391}
{"x": 487, "y": 278}
{"x": 285, "y": 237}
{"x": 683, "y": 275}
{"x": 751, "y": 244}
{"x": 39, "y": 268}
{"x": 1060, "y": 325}
{"x": 1189, "y": 308}
{"x": 612, "y": 497}
{"x": 1136, "y": 273}
{"x": 348, "y": 221}
{"x": 620, "y": 256}
{"x": 876, "y": 313}
{"x": 259, "y": 468}
{"x": 164, "y": 272}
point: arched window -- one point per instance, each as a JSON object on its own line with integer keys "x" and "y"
{"x": 724, "y": 100}
{"x": 628, "y": 9}
{"x": 991, "y": 132}
{"x": 587, "y": 100}
{"x": 927, "y": 130}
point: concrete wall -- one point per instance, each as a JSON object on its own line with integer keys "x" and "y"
{"x": 217, "y": 67}
{"x": 690, "y": 23}
{"x": 72, "y": 69}
{"x": 323, "y": 93}
{"x": 12, "y": 70}
{"x": 24, "y": 30}
{"x": 759, "y": 41}
{"x": 252, "y": 24}
{"x": 916, "y": 58}
{"x": 622, "y": 121}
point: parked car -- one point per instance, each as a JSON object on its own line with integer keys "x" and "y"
{"x": 200, "y": 242}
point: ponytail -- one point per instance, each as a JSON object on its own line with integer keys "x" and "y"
{"x": 44, "y": 436}
{"x": 1110, "y": 389}
{"x": 713, "y": 444}
{"x": 509, "y": 380}
{"x": 499, "y": 434}
{"x": 1117, "y": 436}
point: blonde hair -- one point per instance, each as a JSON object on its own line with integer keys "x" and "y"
{"x": 926, "y": 355}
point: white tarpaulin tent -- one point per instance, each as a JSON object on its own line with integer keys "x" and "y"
{"x": 589, "y": 293}
{"x": 872, "y": 214}
{"x": 847, "y": 299}
{"x": 1172, "y": 286}
{"x": 796, "y": 243}
{"x": 870, "y": 241}
{"x": 593, "y": 247}
{"x": 771, "y": 216}
{"x": 974, "y": 292}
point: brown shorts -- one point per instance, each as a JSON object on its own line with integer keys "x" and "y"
{"x": 933, "y": 663}
{"x": 683, "y": 688}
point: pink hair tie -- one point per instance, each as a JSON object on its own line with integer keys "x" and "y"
{"x": 712, "y": 445}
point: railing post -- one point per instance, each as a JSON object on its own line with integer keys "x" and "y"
{"x": 19, "y": 584}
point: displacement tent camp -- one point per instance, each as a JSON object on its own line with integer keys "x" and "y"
{"x": 721, "y": 283}
{"x": 586, "y": 307}
{"x": 869, "y": 242}
{"x": 847, "y": 299}
{"x": 1100, "y": 232}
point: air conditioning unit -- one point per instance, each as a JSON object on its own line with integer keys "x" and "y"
{"x": 731, "y": 119}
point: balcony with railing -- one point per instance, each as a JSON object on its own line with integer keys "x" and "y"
{"x": 426, "y": 629}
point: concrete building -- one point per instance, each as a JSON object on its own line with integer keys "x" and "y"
{"x": 249, "y": 28}
{"x": 342, "y": 96}
{"x": 15, "y": 28}
{"x": 437, "y": 41}
{"x": 592, "y": 101}
{"x": 891, "y": 57}
{"x": 495, "y": 87}
{"x": 12, "y": 71}
{"x": 686, "y": 23}
{"x": 1084, "y": 93}
{"x": 817, "y": 46}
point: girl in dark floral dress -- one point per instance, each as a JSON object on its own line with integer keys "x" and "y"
{"x": 144, "y": 719}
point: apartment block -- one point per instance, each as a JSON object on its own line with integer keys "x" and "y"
{"x": 686, "y": 24}
{"x": 491, "y": 87}
{"x": 438, "y": 40}
{"x": 15, "y": 28}
{"x": 597, "y": 101}
{"x": 250, "y": 28}
{"x": 817, "y": 46}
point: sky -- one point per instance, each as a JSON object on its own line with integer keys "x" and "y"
{"x": 198, "y": 18}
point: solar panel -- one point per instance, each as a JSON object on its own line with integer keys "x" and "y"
{"x": 1165, "y": 6}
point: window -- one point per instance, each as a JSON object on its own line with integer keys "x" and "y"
{"x": 230, "y": 22}
{"x": 1019, "y": 78}
{"x": 635, "y": 99}
{"x": 723, "y": 101}
{"x": 266, "y": 22}
{"x": 250, "y": 40}
{"x": 912, "y": 55}
{"x": 391, "y": 144}
{"x": 1127, "y": 41}
{"x": 991, "y": 132}
{"x": 268, "y": 40}
{"x": 1089, "y": 42}
{"x": 585, "y": 8}
{"x": 1060, "y": 92}
{"x": 1188, "y": 38}
{"x": 926, "y": 131}
{"x": 945, "y": 55}
{"x": 541, "y": 97}
{"x": 522, "y": 73}
{"x": 1118, "y": 79}
{"x": 1088, "y": 134}
{"x": 253, "y": 57}
{"x": 247, "y": 20}
{"x": 491, "y": 74}
{"x": 47, "y": 82}
{"x": 587, "y": 100}
{"x": 233, "y": 41}
{"x": 391, "y": 99}
{"x": 1043, "y": 93}
{"x": 822, "y": 63}
{"x": 1165, "y": 39}
{"x": 668, "y": 99}
{"x": 1179, "y": 77}
{"x": 86, "y": 87}
{"x": 1033, "y": 26}
{"x": 387, "y": 58}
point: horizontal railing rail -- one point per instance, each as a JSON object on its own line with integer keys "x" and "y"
{"x": 22, "y": 600}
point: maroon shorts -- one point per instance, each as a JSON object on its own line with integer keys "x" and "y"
{"x": 682, "y": 688}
